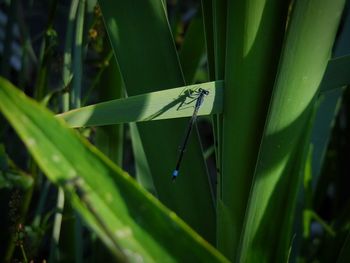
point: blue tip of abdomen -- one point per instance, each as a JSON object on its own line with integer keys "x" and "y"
{"x": 175, "y": 173}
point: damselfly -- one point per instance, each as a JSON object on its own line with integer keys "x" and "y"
{"x": 201, "y": 93}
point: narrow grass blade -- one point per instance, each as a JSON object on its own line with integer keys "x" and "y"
{"x": 219, "y": 13}
{"x": 56, "y": 228}
{"x": 143, "y": 173}
{"x": 131, "y": 222}
{"x": 67, "y": 72}
{"x": 167, "y": 104}
{"x": 77, "y": 62}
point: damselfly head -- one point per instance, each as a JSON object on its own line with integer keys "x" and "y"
{"x": 203, "y": 91}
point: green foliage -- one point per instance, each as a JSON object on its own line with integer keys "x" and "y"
{"x": 257, "y": 182}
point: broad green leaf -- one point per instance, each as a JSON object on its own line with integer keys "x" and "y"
{"x": 167, "y": 104}
{"x": 144, "y": 48}
{"x": 255, "y": 30}
{"x": 131, "y": 222}
{"x": 207, "y": 14}
{"x": 311, "y": 31}
{"x": 192, "y": 49}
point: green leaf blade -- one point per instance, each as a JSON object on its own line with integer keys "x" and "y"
{"x": 160, "y": 105}
{"x": 255, "y": 31}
